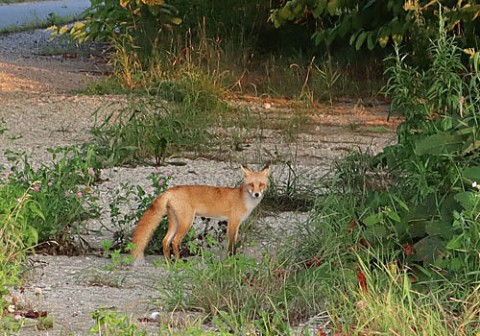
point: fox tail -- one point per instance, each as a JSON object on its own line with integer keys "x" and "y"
{"x": 146, "y": 227}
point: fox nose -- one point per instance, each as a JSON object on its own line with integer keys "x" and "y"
{"x": 256, "y": 195}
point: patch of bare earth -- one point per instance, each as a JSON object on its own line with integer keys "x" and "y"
{"x": 40, "y": 107}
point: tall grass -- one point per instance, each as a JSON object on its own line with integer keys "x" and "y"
{"x": 149, "y": 129}
{"x": 241, "y": 295}
{"x": 17, "y": 236}
{"x": 392, "y": 303}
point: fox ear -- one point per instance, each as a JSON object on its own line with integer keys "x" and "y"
{"x": 266, "y": 170}
{"x": 246, "y": 170}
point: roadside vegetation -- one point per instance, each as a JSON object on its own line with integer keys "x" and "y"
{"x": 391, "y": 244}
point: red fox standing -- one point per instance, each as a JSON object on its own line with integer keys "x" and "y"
{"x": 182, "y": 203}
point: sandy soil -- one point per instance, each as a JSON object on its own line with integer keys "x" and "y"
{"x": 41, "y": 109}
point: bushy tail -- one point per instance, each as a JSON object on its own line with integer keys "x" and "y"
{"x": 147, "y": 226}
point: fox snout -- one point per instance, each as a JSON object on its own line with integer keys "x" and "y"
{"x": 256, "y": 194}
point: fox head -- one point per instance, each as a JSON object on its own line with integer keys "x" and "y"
{"x": 255, "y": 183}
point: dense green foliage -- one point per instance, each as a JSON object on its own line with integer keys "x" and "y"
{"x": 374, "y": 23}
{"x": 406, "y": 220}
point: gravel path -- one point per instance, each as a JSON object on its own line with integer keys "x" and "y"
{"x": 41, "y": 110}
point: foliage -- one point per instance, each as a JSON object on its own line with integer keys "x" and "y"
{"x": 436, "y": 157}
{"x": 62, "y": 193}
{"x": 17, "y": 235}
{"x": 397, "y": 234}
{"x": 374, "y": 23}
{"x": 242, "y": 295}
{"x": 390, "y": 295}
{"x": 111, "y": 274}
{"x": 109, "y": 322}
{"x": 136, "y": 20}
{"x": 136, "y": 200}
{"x": 148, "y": 129}
{"x": 133, "y": 27}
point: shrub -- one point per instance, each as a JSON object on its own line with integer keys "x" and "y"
{"x": 62, "y": 192}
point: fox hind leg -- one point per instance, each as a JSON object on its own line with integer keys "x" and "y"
{"x": 171, "y": 232}
{"x": 185, "y": 222}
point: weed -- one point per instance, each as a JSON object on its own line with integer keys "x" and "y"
{"x": 391, "y": 294}
{"x": 291, "y": 195}
{"x": 109, "y": 323}
{"x": 110, "y": 275}
{"x": 3, "y": 126}
{"x": 327, "y": 77}
{"x": 148, "y": 129}
{"x": 242, "y": 295}
{"x": 45, "y": 323}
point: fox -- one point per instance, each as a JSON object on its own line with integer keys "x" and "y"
{"x": 182, "y": 203}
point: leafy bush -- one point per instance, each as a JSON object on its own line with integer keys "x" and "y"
{"x": 401, "y": 229}
{"x": 62, "y": 193}
{"x": 378, "y": 23}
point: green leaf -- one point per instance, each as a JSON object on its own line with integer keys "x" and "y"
{"x": 439, "y": 144}
{"x": 440, "y": 228}
{"x": 472, "y": 173}
{"x": 428, "y": 248}
{"x": 360, "y": 39}
{"x": 468, "y": 200}
{"x": 284, "y": 13}
{"x": 456, "y": 264}
{"x": 319, "y": 9}
{"x": 370, "y": 43}
{"x": 455, "y": 243}
{"x": 372, "y": 219}
{"x": 393, "y": 216}
{"x": 344, "y": 28}
{"x": 332, "y": 7}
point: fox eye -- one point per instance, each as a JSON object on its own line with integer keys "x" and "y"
{"x": 262, "y": 185}
{"x": 251, "y": 185}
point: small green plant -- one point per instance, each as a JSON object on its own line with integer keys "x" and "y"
{"x": 111, "y": 323}
{"x": 327, "y": 77}
{"x": 45, "y": 323}
{"x": 294, "y": 194}
{"x": 3, "y": 127}
{"x": 111, "y": 274}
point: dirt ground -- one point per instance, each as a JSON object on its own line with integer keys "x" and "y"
{"x": 41, "y": 109}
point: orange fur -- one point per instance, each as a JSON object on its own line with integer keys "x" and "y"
{"x": 182, "y": 203}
